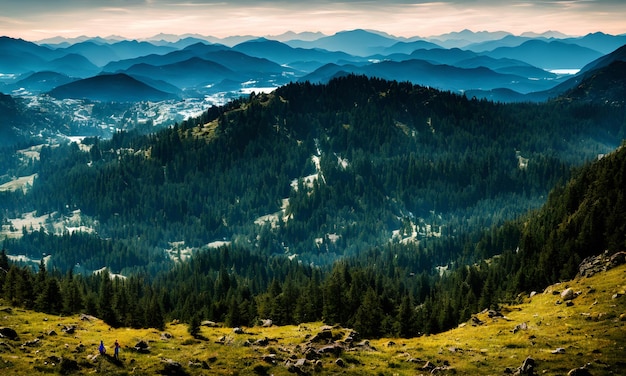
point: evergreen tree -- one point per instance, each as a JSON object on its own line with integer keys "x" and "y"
{"x": 105, "y": 299}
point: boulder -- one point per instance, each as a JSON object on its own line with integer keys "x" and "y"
{"x": 142, "y": 347}
{"x": 238, "y": 330}
{"x": 323, "y": 336}
{"x": 266, "y": 323}
{"x": 340, "y": 362}
{"x": 527, "y": 367}
{"x": 568, "y": 294}
{"x": 9, "y": 333}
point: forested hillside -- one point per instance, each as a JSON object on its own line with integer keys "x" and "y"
{"x": 379, "y": 205}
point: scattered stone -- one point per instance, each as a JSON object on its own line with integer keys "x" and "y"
{"x": 527, "y": 367}
{"x": 334, "y": 349}
{"x": 171, "y": 368}
{"x": 68, "y": 366}
{"x": 209, "y": 324}
{"x": 391, "y": 344}
{"x": 323, "y": 336}
{"x": 476, "y": 321}
{"x": 617, "y": 295}
{"x": 68, "y": 329}
{"x": 340, "y": 362}
{"x": 518, "y": 327}
{"x": 532, "y": 293}
{"x": 238, "y": 330}
{"x": 261, "y": 342}
{"x": 142, "y": 347}
{"x": 6, "y": 309}
{"x": 568, "y": 294}
{"x": 558, "y": 350}
{"x": 428, "y": 366}
{"x": 494, "y": 314}
{"x": 31, "y": 343}
{"x": 9, "y": 333}
{"x": 221, "y": 340}
{"x": 84, "y": 317}
{"x": 266, "y": 323}
{"x": 166, "y": 336}
{"x": 52, "y": 333}
{"x": 569, "y": 303}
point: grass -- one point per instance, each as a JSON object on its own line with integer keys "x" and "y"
{"x": 591, "y": 332}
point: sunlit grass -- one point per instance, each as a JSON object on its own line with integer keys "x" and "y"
{"x": 591, "y": 332}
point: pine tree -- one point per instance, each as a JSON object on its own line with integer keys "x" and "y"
{"x": 105, "y": 299}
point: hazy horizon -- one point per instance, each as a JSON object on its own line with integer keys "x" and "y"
{"x": 139, "y": 19}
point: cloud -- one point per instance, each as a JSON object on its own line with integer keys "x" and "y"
{"x": 36, "y": 19}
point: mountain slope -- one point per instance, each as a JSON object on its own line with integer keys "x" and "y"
{"x": 557, "y": 337}
{"x": 113, "y": 88}
{"x": 548, "y": 55}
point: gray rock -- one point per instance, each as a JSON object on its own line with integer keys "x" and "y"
{"x": 568, "y": 294}
{"x": 340, "y": 362}
{"x": 558, "y": 350}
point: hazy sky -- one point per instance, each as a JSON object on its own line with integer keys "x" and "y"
{"x": 39, "y": 19}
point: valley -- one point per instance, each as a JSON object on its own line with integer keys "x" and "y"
{"x": 356, "y": 203}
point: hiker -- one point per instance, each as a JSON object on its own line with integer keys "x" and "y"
{"x": 102, "y": 349}
{"x": 117, "y": 350}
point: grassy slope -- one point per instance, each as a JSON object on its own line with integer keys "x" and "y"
{"x": 592, "y": 331}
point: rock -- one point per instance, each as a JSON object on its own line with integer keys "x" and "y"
{"x": 32, "y": 343}
{"x": 166, "y": 335}
{"x": 261, "y": 342}
{"x": 568, "y": 294}
{"x": 518, "y": 327}
{"x": 172, "y": 368}
{"x": 428, "y": 366}
{"x": 532, "y": 293}
{"x": 68, "y": 366}
{"x": 334, "y": 349}
{"x": 209, "y": 324}
{"x": 595, "y": 264}
{"x": 84, "y": 317}
{"x": 311, "y": 353}
{"x": 582, "y": 371}
{"x": 527, "y": 367}
{"x": 52, "y": 333}
{"x": 558, "y": 350}
{"x": 142, "y": 347}
{"x": 9, "y": 333}
{"x": 238, "y": 330}
{"x": 340, "y": 362}
{"x": 266, "y": 323}
{"x": 68, "y": 329}
{"x": 476, "y": 321}
{"x": 323, "y": 336}
{"x": 493, "y": 313}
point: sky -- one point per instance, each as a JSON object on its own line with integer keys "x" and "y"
{"x": 135, "y": 19}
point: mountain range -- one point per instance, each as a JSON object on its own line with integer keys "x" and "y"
{"x": 193, "y": 66}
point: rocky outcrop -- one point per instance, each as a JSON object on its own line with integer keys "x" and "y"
{"x": 600, "y": 263}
